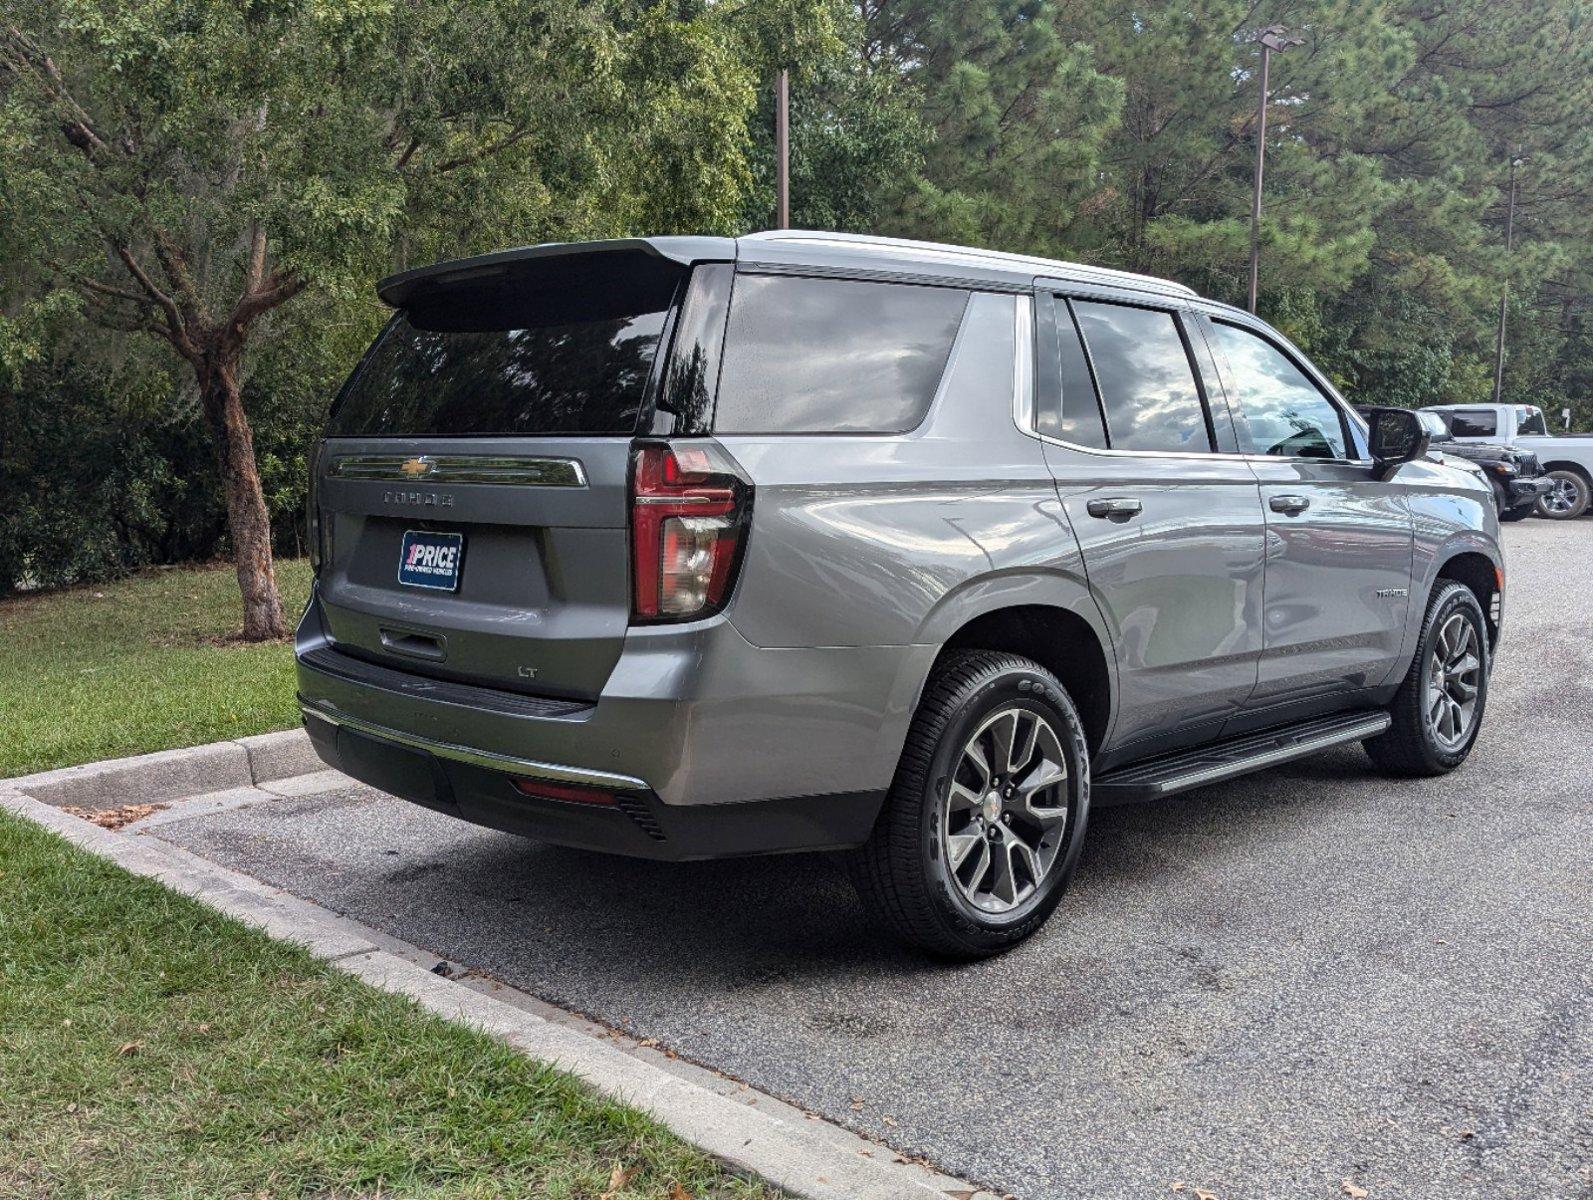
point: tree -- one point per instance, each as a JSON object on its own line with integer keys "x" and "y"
{"x": 1018, "y": 112}
{"x": 184, "y": 168}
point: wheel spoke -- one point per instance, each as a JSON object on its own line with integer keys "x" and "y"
{"x": 960, "y": 796}
{"x": 1026, "y": 729}
{"x": 1005, "y": 885}
{"x": 1003, "y": 736}
{"x": 974, "y": 754}
{"x": 959, "y": 846}
{"x": 981, "y": 869}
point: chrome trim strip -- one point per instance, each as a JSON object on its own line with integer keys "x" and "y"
{"x": 530, "y": 767}
{"x": 459, "y": 468}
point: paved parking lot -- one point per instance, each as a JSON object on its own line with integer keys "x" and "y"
{"x": 1263, "y": 989}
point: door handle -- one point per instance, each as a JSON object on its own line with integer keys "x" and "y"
{"x": 1117, "y": 506}
{"x": 1292, "y": 505}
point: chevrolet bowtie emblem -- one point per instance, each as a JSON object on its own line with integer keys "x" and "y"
{"x": 416, "y": 466}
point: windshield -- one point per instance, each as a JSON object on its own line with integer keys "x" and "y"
{"x": 1530, "y": 421}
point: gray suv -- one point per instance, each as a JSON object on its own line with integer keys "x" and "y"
{"x": 687, "y": 547}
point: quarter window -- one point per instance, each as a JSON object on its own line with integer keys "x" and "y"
{"x": 1147, "y": 385}
{"x": 1285, "y": 414}
{"x": 833, "y": 355}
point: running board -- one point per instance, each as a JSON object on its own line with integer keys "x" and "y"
{"x": 1169, "y": 773}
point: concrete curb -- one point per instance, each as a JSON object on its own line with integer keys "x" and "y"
{"x": 752, "y": 1132}
{"x": 173, "y": 774}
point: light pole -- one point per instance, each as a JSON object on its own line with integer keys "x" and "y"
{"x": 1504, "y": 294}
{"x": 1273, "y": 37}
{"x": 782, "y": 150}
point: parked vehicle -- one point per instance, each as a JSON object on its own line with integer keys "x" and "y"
{"x": 1567, "y": 458}
{"x": 689, "y": 547}
{"x": 1514, "y": 474}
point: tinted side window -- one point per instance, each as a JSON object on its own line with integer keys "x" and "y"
{"x": 1530, "y": 421}
{"x": 1074, "y": 415}
{"x": 1477, "y": 422}
{"x": 1147, "y": 384}
{"x": 833, "y": 355}
{"x": 1285, "y": 413}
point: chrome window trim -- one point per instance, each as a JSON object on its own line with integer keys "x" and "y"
{"x": 513, "y": 470}
{"x": 528, "y": 767}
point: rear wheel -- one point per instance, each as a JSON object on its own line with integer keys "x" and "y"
{"x": 982, "y": 828}
{"x": 1438, "y": 709}
{"x": 1568, "y": 498}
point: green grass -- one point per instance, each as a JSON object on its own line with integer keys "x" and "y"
{"x": 152, "y": 1048}
{"x": 138, "y": 665}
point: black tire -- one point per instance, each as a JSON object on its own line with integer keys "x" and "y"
{"x": 1518, "y": 514}
{"x": 1412, "y": 745}
{"x": 902, "y": 873}
{"x": 1571, "y": 497}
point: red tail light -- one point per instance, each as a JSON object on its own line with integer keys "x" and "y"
{"x": 689, "y": 513}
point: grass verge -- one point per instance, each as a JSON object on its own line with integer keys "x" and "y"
{"x": 138, "y": 665}
{"x": 150, "y": 1047}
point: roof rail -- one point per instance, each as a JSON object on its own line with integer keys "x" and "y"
{"x": 908, "y": 247}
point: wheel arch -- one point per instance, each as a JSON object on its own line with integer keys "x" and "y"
{"x": 1566, "y": 464}
{"x": 1062, "y": 641}
{"x": 1480, "y": 574}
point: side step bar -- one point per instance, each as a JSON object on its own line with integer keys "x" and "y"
{"x": 1169, "y": 773}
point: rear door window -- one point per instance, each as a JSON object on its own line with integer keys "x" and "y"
{"x": 1473, "y": 422}
{"x": 1284, "y": 412}
{"x": 833, "y": 355}
{"x": 1146, "y": 380}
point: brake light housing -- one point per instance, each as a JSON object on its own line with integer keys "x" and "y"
{"x": 691, "y": 507}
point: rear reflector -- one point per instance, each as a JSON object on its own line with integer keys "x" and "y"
{"x": 689, "y": 511}
{"x": 572, "y": 793}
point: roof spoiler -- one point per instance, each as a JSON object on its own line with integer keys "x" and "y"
{"x": 647, "y": 255}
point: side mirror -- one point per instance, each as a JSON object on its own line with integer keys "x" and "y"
{"x": 1397, "y": 436}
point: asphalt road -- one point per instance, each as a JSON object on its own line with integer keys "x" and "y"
{"x": 1263, "y": 989}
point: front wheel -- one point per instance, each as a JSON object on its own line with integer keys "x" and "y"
{"x": 1438, "y": 708}
{"x": 1567, "y": 499}
{"x": 981, "y": 830}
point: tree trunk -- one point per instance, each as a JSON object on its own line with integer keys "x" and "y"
{"x": 247, "y": 519}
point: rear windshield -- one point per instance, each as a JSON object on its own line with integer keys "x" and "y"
{"x": 507, "y": 363}
{"x": 1530, "y": 421}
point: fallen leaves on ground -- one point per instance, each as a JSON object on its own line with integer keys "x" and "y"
{"x": 676, "y": 1192}
{"x": 617, "y": 1180}
{"x": 1356, "y": 1193}
{"x": 113, "y": 818}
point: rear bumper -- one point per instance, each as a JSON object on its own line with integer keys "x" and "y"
{"x": 719, "y": 746}
{"x": 634, "y": 822}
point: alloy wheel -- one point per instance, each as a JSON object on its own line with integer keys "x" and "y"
{"x": 1006, "y": 810}
{"x": 1453, "y": 682}
{"x": 1563, "y": 497}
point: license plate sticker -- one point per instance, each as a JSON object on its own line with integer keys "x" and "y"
{"x": 431, "y": 560}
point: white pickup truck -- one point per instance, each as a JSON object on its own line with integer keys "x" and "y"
{"x": 1567, "y": 458}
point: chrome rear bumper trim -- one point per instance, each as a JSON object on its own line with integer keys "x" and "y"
{"x": 492, "y": 761}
